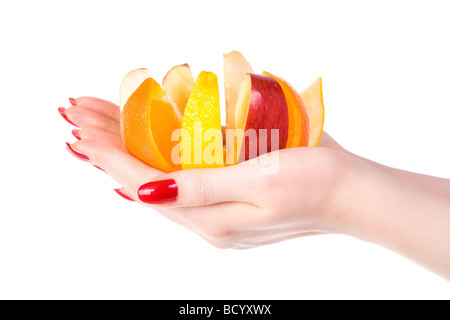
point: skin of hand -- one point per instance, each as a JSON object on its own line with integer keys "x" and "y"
{"x": 315, "y": 191}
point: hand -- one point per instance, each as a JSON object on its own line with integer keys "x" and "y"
{"x": 315, "y": 190}
{"x": 232, "y": 207}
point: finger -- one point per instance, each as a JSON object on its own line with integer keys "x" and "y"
{"x": 95, "y": 133}
{"x": 201, "y": 187}
{"x": 119, "y": 164}
{"x": 125, "y": 194}
{"x": 103, "y": 107}
{"x": 83, "y": 117}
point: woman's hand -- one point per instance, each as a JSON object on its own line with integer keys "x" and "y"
{"x": 234, "y": 207}
{"x": 314, "y": 190}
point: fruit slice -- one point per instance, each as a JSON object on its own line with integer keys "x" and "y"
{"x": 130, "y": 83}
{"x": 298, "y": 117}
{"x": 235, "y": 67}
{"x": 261, "y": 105}
{"x": 201, "y": 136}
{"x": 178, "y": 83}
{"x": 146, "y": 124}
{"x": 313, "y": 100}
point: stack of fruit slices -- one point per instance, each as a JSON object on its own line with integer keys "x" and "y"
{"x": 177, "y": 125}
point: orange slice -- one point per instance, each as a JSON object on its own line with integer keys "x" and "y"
{"x": 298, "y": 135}
{"x": 147, "y": 122}
{"x": 313, "y": 100}
{"x": 201, "y": 134}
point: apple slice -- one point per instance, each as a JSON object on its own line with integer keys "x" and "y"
{"x": 178, "y": 84}
{"x": 130, "y": 83}
{"x": 313, "y": 100}
{"x": 261, "y": 104}
{"x": 235, "y": 67}
{"x": 298, "y": 116}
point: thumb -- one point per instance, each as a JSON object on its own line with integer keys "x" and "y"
{"x": 200, "y": 187}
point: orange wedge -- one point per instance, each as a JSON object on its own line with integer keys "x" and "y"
{"x": 298, "y": 135}
{"x": 201, "y": 134}
{"x": 147, "y": 122}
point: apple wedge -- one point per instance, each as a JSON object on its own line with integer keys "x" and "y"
{"x": 298, "y": 115}
{"x": 260, "y": 108}
{"x": 130, "y": 83}
{"x": 313, "y": 100}
{"x": 235, "y": 67}
{"x": 178, "y": 84}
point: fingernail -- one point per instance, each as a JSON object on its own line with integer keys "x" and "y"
{"x": 75, "y": 153}
{"x": 76, "y": 133}
{"x": 123, "y": 195}
{"x": 62, "y": 112}
{"x": 158, "y": 192}
{"x": 73, "y": 101}
{"x": 99, "y": 168}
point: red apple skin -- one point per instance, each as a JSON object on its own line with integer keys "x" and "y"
{"x": 267, "y": 110}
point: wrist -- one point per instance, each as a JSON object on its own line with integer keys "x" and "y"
{"x": 359, "y": 191}
{"x": 398, "y": 212}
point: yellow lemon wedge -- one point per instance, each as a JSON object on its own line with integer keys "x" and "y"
{"x": 201, "y": 143}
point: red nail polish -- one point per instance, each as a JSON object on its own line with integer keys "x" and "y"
{"x": 62, "y": 112}
{"x": 73, "y": 101}
{"x": 123, "y": 195}
{"x": 99, "y": 168}
{"x": 75, "y": 153}
{"x": 76, "y": 134}
{"x": 158, "y": 192}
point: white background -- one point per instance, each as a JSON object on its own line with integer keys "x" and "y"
{"x": 64, "y": 233}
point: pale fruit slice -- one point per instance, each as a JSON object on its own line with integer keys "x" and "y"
{"x": 201, "y": 135}
{"x": 261, "y": 108}
{"x": 178, "y": 84}
{"x": 130, "y": 83}
{"x": 147, "y": 122}
{"x": 298, "y": 116}
{"x": 235, "y": 67}
{"x": 313, "y": 99}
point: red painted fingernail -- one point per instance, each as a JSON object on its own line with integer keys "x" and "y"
{"x": 123, "y": 195}
{"x": 99, "y": 168}
{"x": 76, "y": 133}
{"x": 73, "y": 101}
{"x": 158, "y": 192}
{"x": 62, "y": 112}
{"x": 75, "y": 153}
